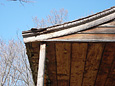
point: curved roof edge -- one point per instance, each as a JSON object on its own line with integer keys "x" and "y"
{"x": 69, "y": 27}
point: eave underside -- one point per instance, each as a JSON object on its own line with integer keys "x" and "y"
{"x": 76, "y": 63}
{"x": 80, "y": 55}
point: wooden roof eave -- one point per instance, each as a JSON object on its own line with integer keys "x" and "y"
{"x": 71, "y": 23}
{"x": 71, "y": 30}
{"x": 80, "y": 40}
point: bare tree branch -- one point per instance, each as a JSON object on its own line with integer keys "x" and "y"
{"x": 55, "y": 17}
{"x": 14, "y": 65}
{"x": 14, "y": 68}
{"x": 25, "y": 1}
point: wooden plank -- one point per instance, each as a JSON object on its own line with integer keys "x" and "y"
{"x": 63, "y": 83}
{"x": 109, "y": 82}
{"x": 51, "y": 68}
{"x": 105, "y": 66}
{"x": 71, "y": 30}
{"x": 79, "y": 51}
{"x": 100, "y": 30}
{"x": 86, "y": 38}
{"x": 41, "y": 67}
{"x": 111, "y": 76}
{"x": 63, "y": 52}
{"x": 92, "y": 63}
{"x": 33, "y": 55}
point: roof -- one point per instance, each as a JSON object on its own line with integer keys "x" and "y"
{"x": 68, "y": 28}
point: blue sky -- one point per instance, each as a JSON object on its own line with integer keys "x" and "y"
{"x": 15, "y": 17}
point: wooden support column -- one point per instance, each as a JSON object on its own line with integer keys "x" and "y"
{"x": 41, "y": 66}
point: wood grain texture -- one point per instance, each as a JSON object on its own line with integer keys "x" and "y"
{"x": 92, "y": 63}
{"x": 41, "y": 66}
{"x": 111, "y": 76}
{"x": 87, "y": 36}
{"x": 33, "y": 56}
{"x": 51, "y": 67}
{"x": 63, "y": 83}
{"x": 100, "y": 30}
{"x": 63, "y": 51}
{"x": 79, "y": 51}
{"x": 105, "y": 65}
{"x": 71, "y": 30}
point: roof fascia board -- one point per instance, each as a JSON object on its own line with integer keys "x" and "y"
{"x": 72, "y": 23}
{"x": 71, "y": 30}
{"x": 80, "y": 40}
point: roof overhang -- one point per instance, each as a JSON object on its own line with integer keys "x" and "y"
{"x": 46, "y": 34}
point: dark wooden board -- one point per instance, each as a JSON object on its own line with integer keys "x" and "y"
{"x": 105, "y": 65}
{"x": 51, "y": 67}
{"x": 33, "y": 56}
{"x": 79, "y": 51}
{"x": 63, "y": 52}
{"x": 94, "y": 55}
{"x": 111, "y": 76}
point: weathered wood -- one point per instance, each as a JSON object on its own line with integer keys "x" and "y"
{"x": 63, "y": 83}
{"x": 86, "y": 38}
{"x": 71, "y": 30}
{"x": 51, "y": 67}
{"x": 109, "y": 82}
{"x": 111, "y": 76}
{"x": 33, "y": 55}
{"x": 79, "y": 51}
{"x": 74, "y": 22}
{"x": 41, "y": 67}
{"x": 105, "y": 65}
{"x": 100, "y": 30}
{"x": 63, "y": 52}
{"x": 94, "y": 55}
{"x": 109, "y": 24}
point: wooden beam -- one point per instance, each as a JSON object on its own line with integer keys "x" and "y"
{"x": 99, "y": 30}
{"x": 86, "y": 38}
{"x": 71, "y": 30}
{"x": 72, "y": 23}
{"x": 41, "y": 66}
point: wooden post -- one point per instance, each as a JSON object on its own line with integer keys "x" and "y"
{"x": 41, "y": 66}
